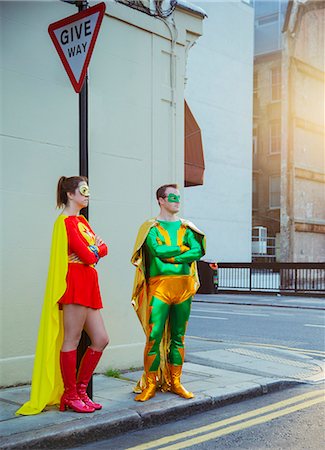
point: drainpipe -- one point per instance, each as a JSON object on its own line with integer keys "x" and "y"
{"x": 173, "y": 70}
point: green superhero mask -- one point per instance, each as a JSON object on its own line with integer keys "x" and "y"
{"x": 173, "y": 198}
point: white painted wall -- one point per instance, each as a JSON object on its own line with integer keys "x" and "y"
{"x": 219, "y": 93}
{"x": 136, "y": 139}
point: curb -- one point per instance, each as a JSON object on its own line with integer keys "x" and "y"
{"x": 217, "y": 302}
{"x": 103, "y": 426}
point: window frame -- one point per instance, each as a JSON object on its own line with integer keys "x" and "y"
{"x": 255, "y": 193}
{"x": 271, "y": 177}
{"x": 272, "y": 138}
{"x": 276, "y": 85}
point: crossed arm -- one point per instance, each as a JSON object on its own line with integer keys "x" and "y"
{"x": 80, "y": 251}
{"x": 176, "y": 254}
{"x": 194, "y": 252}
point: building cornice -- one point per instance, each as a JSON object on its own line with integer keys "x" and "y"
{"x": 296, "y": 10}
{"x": 265, "y": 57}
{"x": 189, "y": 7}
{"x": 309, "y": 174}
{"x": 307, "y": 69}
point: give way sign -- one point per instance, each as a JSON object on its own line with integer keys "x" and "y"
{"x": 74, "y": 38}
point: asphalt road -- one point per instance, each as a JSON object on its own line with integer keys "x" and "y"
{"x": 291, "y": 419}
{"x": 288, "y": 327}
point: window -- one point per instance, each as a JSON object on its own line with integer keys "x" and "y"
{"x": 275, "y": 137}
{"x": 274, "y": 192}
{"x": 255, "y": 95}
{"x": 255, "y": 194}
{"x": 255, "y": 81}
{"x": 254, "y": 146}
{"x": 255, "y": 87}
{"x": 254, "y": 140}
{"x": 276, "y": 84}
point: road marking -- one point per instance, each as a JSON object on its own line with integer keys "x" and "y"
{"x": 243, "y": 425}
{"x": 313, "y": 325}
{"x": 208, "y": 317}
{"x": 234, "y": 313}
{"x": 318, "y": 394}
{"x": 256, "y": 344}
{"x": 276, "y": 313}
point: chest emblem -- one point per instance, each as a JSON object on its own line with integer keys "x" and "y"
{"x": 86, "y": 233}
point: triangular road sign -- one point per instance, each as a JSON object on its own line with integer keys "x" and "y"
{"x": 74, "y": 38}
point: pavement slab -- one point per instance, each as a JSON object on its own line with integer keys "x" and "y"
{"x": 265, "y": 363}
{"x": 214, "y": 387}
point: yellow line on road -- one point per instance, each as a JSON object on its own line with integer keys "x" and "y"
{"x": 282, "y": 347}
{"x": 245, "y": 424}
{"x": 230, "y": 421}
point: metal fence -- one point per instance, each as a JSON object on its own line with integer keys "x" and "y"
{"x": 296, "y": 278}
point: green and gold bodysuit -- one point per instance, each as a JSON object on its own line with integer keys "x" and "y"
{"x": 166, "y": 258}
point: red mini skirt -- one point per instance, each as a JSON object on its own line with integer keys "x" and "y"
{"x": 82, "y": 287}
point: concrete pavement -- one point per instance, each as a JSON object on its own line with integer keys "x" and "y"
{"x": 218, "y": 376}
{"x": 266, "y": 299}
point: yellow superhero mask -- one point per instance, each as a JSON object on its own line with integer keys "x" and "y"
{"x": 84, "y": 190}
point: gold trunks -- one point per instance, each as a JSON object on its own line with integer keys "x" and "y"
{"x": 172, "y": 289}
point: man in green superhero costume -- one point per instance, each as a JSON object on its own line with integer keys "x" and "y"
{"x": 165, "y": 255}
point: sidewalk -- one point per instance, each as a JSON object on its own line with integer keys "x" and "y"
{"x": 218, "y": 376}
{"x": 277, "y": 300}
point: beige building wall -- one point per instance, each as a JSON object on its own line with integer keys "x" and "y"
{"x": 136, "y": 143}
{"x": 303, "y": 161}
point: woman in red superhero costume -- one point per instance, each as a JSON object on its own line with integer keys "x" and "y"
{"x": 72, "y": 303}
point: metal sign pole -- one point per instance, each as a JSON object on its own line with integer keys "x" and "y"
{"x": 83, "y": 170}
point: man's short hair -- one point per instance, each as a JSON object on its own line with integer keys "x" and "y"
{"x": 162, "y": 190}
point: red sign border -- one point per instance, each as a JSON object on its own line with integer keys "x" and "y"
{"x": 101, "y": 7}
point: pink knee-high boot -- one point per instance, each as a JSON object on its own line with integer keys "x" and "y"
{"x": 87, "y": 366}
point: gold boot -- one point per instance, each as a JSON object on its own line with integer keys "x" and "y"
{"x": 176, "y": 386}
{"x": 150, "y": 390}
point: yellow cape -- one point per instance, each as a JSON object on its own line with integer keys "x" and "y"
{"x": 47, "y": 385}
{"x": 140, "y": 299}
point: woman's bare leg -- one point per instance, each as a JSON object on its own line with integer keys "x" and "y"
{"x": 95, "y": 328}
{"x": 74, "y": 317}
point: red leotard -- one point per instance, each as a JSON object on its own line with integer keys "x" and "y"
{"x": 82, "y": 278}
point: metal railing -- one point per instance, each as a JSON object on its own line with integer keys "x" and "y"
{"x": 295, "y": 278}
